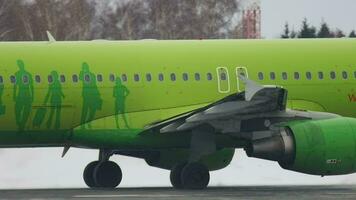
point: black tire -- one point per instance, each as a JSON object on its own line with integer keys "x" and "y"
{"x": 88, "y": 174}
{"x": 195, "y": 176}
{"x": 175, "y": 176}
{"x": 107, "y": 175}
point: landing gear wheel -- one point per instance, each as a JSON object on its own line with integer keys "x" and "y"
{"x": 88, "y": 174}
{"x": 195, "y": 176}
{"x": 175, "y": 176}
{"x": 107, "y": 175}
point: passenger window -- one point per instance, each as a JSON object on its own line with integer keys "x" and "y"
{"x": 25, "y": 79}
{"x": 75, "y": 78}
{"x": 1, "y": 80}
{"x": 124, "y": 77}
{"x": 197, "y": 76}
{"x": 296, "y": 75}
{"x": 272, "y": 75}
{"x": 284, "y": 76}
{"x": 332, "y": 75}
{"x": 148, "y": 77}
{"x": 99, "y": 78}
{"x": 50, "y": 79}
{"x": 173, "y": 77}
{"x": 137, "y": 78}
{"x": 344, "y": 75}
{"x": 223, "y": 76}
{"x": 112, "y": 77}
{"x": 209, "y": 76}
{"x": 13, "y": 79}
{"x": 185, "y": 77}
{"x": 38, "y": 78}
{"x": 63, "y": 78}
{"x": 321, "y": 75}
{"x": 161, "y": 77}
{"x": 260, "y": 75}
{"x": 308, "y": 75}
{"x": 87, "y": 78}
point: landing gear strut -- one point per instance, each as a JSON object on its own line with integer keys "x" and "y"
{"x": 193, "y": 176}
{"x": 102, "y": 173}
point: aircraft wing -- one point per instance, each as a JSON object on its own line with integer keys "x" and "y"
{"x": 256, "y": 109}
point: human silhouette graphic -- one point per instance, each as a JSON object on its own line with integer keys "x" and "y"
{"x": 91, "y": 97}
{"x": 120, "y": 92}
{"x": 23, "y": 95}
{"x": 2, "y": 106}
{"x": 55, "y": 96}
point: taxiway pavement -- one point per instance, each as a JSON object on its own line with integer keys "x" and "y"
{"x": 221, "y": 193}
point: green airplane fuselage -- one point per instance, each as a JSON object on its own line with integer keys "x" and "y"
{"x": 101, "y": 94}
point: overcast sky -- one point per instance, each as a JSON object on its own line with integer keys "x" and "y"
{"x": 43, "y": 167}
{"x": 275, "y": 13}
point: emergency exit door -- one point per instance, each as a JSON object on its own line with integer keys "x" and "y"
{"x": 241, "y": 73}
{"x": 223, "y": 80}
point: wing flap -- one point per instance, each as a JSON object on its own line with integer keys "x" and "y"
{"x": 257, "y": 99}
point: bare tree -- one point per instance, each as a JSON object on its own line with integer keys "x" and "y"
{"x": 117, "y": 19}
{"x": 29, "y": 20}
{"x": 11, "y": 24}
{"x": 171, "y": 19}
{"x": 216, "y": 17}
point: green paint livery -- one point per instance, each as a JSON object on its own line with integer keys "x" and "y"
{"x": 104, "y": 94}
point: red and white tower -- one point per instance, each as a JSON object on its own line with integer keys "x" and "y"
{"x": 251, "y": 21}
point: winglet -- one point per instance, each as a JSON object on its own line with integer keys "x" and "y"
{"x": 251, "y": 87}
{"x": 50, "y": 37}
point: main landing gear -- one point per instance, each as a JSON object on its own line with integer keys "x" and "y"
{"x": 192, "y": 176}
{"x": 108, "y": 175}
{"x": 102, "y": 173}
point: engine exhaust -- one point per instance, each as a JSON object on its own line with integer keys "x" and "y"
{"x": 280, "y": 147}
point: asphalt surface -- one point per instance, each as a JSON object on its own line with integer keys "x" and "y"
{"x": 220, "y": 193}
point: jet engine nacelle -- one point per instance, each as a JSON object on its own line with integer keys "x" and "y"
{"x": 317, "y": 147}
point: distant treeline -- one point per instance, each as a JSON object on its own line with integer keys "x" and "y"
{"x": 309, "y": 31}
{"x": 118, "y": 19}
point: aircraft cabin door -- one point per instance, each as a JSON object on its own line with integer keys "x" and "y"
{"x": 223, "y": 80}
{"x": 241, "y": 72}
